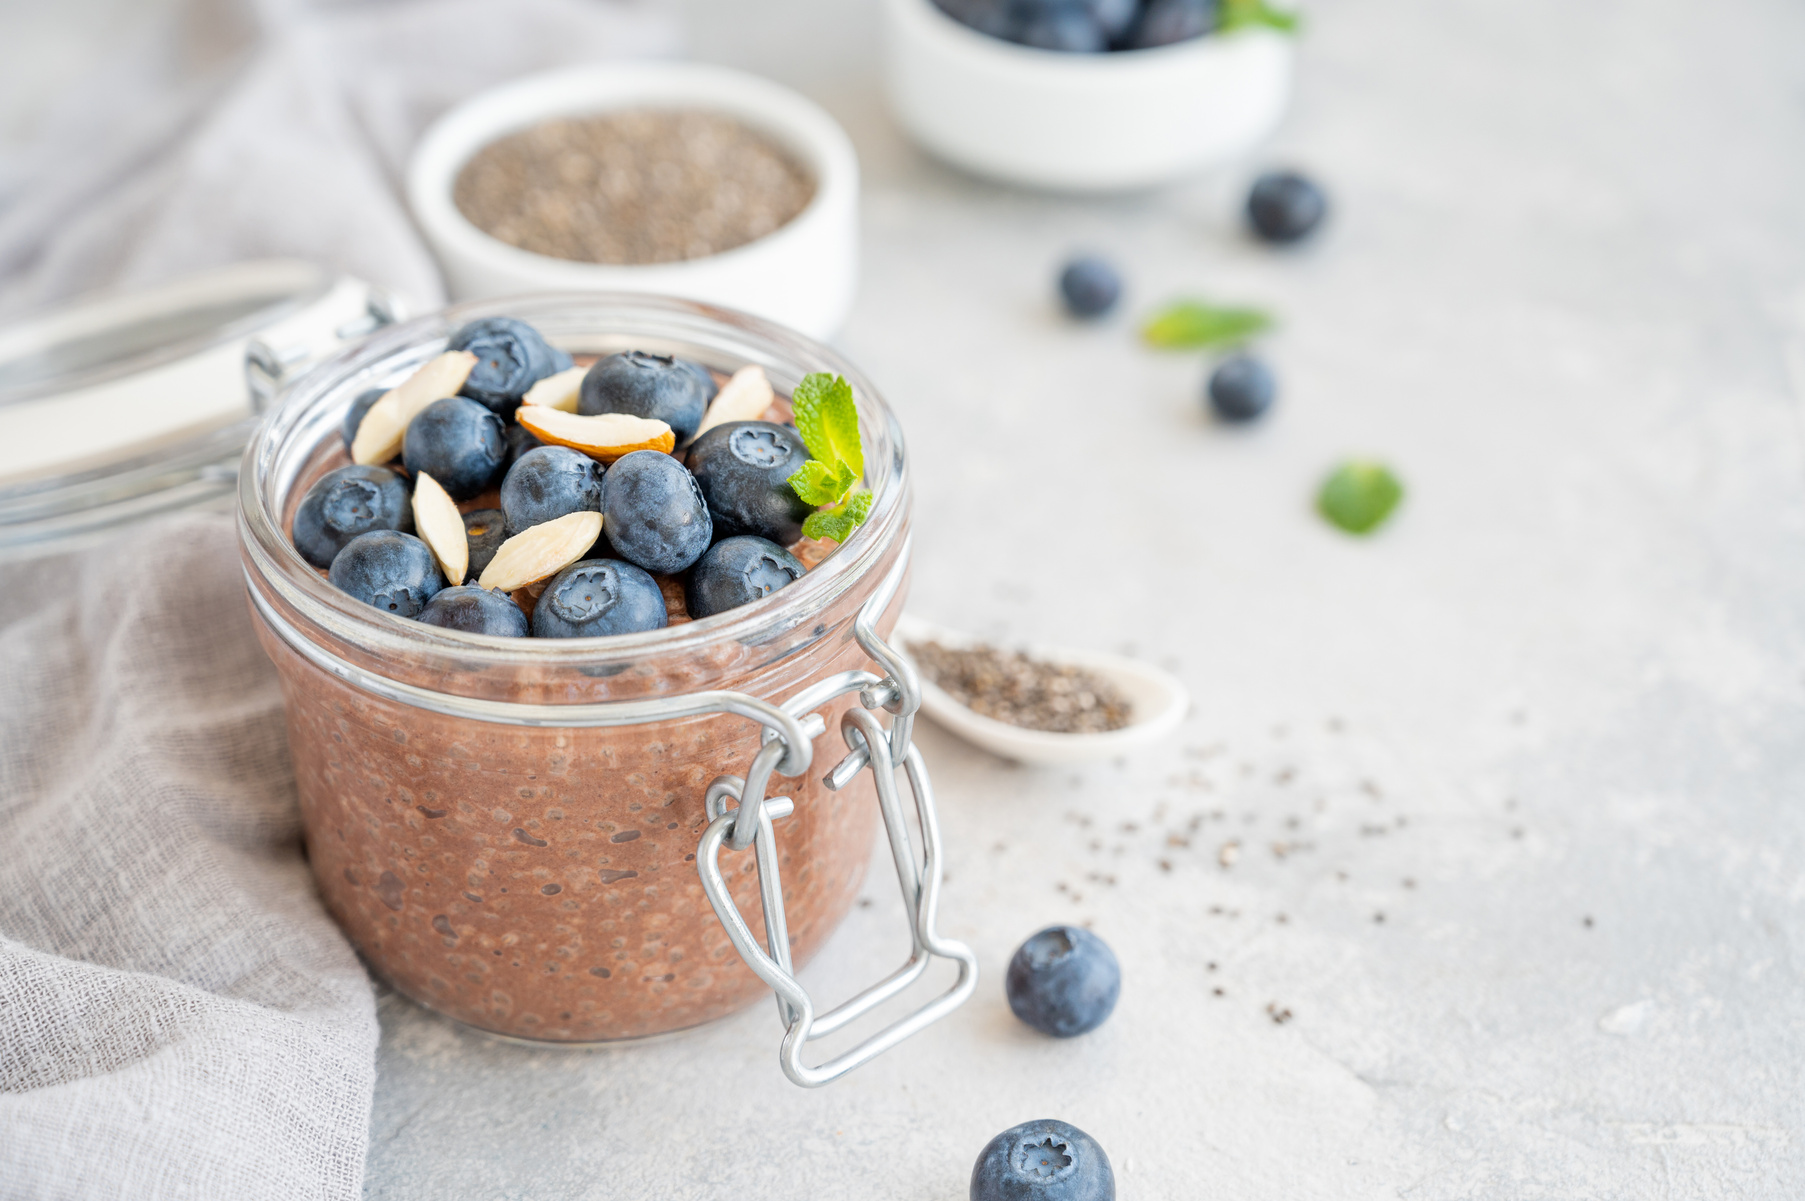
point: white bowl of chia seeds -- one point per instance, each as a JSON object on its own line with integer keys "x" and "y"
{"x": 670, "y": 178}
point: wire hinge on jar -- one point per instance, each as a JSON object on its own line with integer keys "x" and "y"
{"x": 749, "y": 822}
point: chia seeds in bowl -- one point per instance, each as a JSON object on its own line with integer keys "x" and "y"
{"x": 633, "y": 187}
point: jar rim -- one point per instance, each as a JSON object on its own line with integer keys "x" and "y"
{"x": 311, "y": 409}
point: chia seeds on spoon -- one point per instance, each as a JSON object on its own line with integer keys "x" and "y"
{"x": 1011, "y": 687}
{"x": 641, "y": 186}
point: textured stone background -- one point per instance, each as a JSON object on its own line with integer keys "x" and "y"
{"x": 1534, "y": 752}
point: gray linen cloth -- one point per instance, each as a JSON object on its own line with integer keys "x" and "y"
{"x": 179, "y": 1018}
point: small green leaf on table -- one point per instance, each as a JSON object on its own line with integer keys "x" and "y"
{"x": 1358, "y": 496}
{"x": 1195, "y": 324}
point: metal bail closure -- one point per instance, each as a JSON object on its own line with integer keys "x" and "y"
{"x": 869, "y": 747}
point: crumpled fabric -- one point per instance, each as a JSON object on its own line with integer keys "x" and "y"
{"x": 179, "y": 1017}
{"x": 245, "y": 129}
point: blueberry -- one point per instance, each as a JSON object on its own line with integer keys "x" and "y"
{"x": 992, "y": 17}
{"x": 1063, "y": 981}
{"x": 595, "y": 597}
{"x": 510, "y": 358}
{"x": 1241, "y": 388}
{"x": 550, "y": 482}
{"x": 458, "y": 443}
{"x": 520, "y": 440}
{"x": 744, "y": 470}
{"x": 484, "y": 530}
{"x": 355, "y": 414}
{"x": 646, "y": 385}
{"x": 1167, "y": 22}
{"x": 1284, "y": 206}
{"x": 738, "y": 571}
{"x": 1090, "y": 287}
{"x": 709, "y": 387}
{"x": 653, "y": 513}
{"x": 345, "y": 503}
{"x": 388, "y": 569}
{"x": 1115, "y": 17}
{"x": 476, "y": 611}
{"x": 1066, "y": 25}
{"x": 1044, "y": 1160}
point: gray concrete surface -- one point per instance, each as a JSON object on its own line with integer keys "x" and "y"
{"x": 1517, "y": 783}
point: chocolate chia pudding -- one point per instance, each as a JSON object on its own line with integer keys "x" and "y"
{"x": 529, "y": 878}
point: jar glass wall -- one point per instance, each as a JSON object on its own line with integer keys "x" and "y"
{"x": 538, "y": 879}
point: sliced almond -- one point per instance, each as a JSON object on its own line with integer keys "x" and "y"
{"x": 379, "y": 434}
{"x": 558, "y": 391}
{"x": 542, "y": 551}
{"x": 605, "y": 436}
{"x": 441, "y": 527}
{"x": 745, "y": 397}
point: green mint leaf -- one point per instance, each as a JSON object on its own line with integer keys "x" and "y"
{"x": 1253, "y": 14}
{"x": 840, "y": 521}
{"x": 1191, "y": 324}
{"x": 818, "y": 483}
{"x": 1358, "y": 496}
{"x": 828, "y": 421}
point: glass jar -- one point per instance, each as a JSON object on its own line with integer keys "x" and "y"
{"x": 497, "y": 844}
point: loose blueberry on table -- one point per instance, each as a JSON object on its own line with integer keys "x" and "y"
{"x": 1064, "y": 981}
{"x": 1285, "y": 207}
{"x": 1241, "y": 388}
{"x": 501, "y": 490}
{"x": 1089, "y": 287}
{"x": 1043, "y": 1160}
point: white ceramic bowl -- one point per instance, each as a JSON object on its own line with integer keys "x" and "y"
{"x": 803, "y": 275}
{"x": 1157, "y": 702}
{"x": 1082, "y": 122}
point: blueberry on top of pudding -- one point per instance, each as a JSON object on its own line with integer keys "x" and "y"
{"x": 393, "y": 571}
{"x": 653, "y": 512}
{"x": 654, "y": 386}
{"x": 457, "y": 442}
{"x": 345, "y": 503}
{"x": 738, "y": 571}
{"x": 744, "y": 470}
{"x": 510, "y": 358}
{"x": 596, "y": 597}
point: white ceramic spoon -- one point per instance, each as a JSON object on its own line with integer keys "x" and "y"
{"x": 1157, "y": 703}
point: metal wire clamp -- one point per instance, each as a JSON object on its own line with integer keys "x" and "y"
{"x": 750, "y": 823}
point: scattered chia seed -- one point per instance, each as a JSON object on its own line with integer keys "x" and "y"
{"x": 643, "y": 186}
{"x": 1012, "y": 688}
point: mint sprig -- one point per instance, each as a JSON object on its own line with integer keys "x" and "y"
{"x": 841, "y": 520}
{"x": 828, "y": 421}
{"x": 1195, "y": 324}
{"x": 1255, "y": 14}
{"x": 1358, "y": 496}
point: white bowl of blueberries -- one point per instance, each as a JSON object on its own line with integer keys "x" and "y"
{"x": 1088, "y": 95}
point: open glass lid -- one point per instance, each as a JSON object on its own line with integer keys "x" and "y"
{"x": 118, "y": 407}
